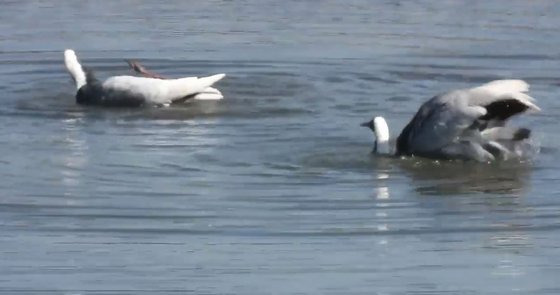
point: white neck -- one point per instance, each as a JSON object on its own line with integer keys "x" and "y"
{"x": 74, "y": 68}
{"x": 382, "y": 135}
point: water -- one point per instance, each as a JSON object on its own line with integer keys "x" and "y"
{"x": 272, "y": 190}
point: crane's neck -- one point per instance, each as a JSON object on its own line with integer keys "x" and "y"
{"x": 74, "y": 68}
{"x": 382, "y": 136}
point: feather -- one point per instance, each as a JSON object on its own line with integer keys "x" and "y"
{"x": 468, "y": 123}
{"x": 74, "y": 68}
{"x": 136, "y": 91}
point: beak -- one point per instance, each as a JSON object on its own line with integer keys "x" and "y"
{"x": 368, "y": 124}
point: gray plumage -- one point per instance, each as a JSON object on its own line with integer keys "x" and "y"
{"x": 469, "y": 124}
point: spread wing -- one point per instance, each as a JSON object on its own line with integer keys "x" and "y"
{"x": 456, "y": 123}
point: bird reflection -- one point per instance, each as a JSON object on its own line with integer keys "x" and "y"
{"x": 75, "y": 159}
{"x": 503, "y": 185}
{"x": 382, "y": 193}
{"x": 458, "y": 177}
{"x": 382, "y": 196}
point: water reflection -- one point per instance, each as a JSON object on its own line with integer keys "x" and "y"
{"x": 456, "y": 177}
{"x": 501, "y": 222}
{"x": 382, "y": 196}
{"x": 76, "y": 156}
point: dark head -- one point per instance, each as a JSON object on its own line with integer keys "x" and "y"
{"x": 369, "y": 125}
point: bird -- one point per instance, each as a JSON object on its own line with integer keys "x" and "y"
{"x": 464, "y": 124}
{"x": 132, "y": 91}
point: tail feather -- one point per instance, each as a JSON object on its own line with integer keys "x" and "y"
{"x": 178, "y": 88}
{"x": 505, "y": 86}
{"x": 209, "y": 94}
{"x": 525, "y": 99}
{"x": 502, "y": 99}
{"x": 74, "y": 68}
{"x": 210, "y": 80}
{"x": 500, "y": 90}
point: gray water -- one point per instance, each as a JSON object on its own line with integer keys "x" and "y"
{"x": 272, "y": 190}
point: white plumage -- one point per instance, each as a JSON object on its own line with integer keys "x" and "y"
{"x": 124, "y": 90}
{"x": 74, "y": 68}
{"x": 502, "y": 89}
{"x": 159, "y": 91}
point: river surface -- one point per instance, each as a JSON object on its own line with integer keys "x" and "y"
{"x": 272, "y": 190}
